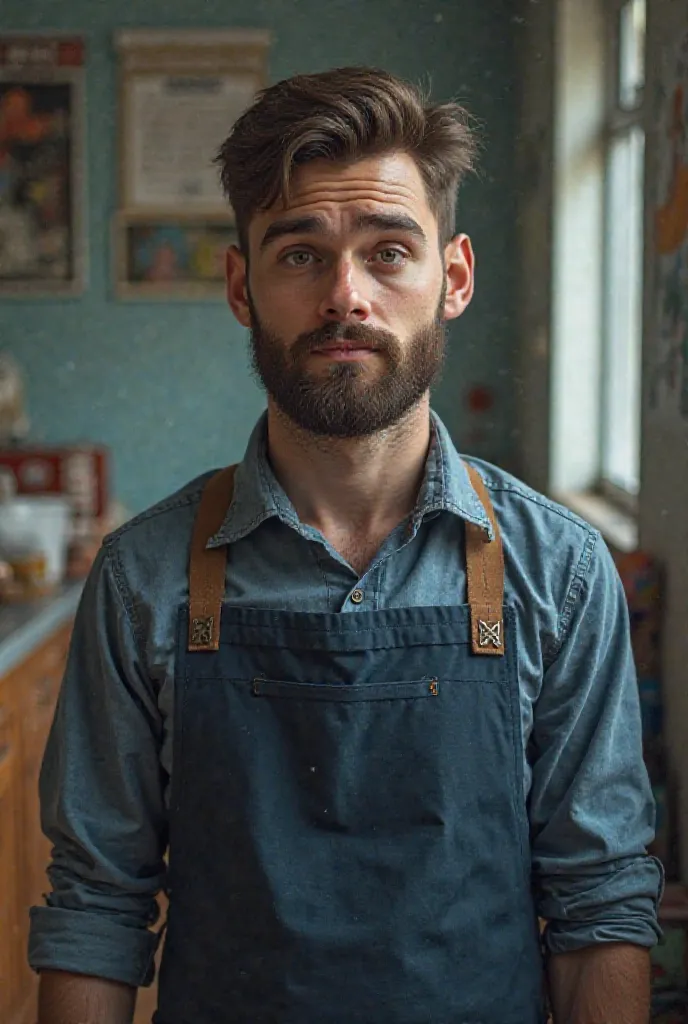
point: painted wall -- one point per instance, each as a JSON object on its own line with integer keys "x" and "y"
{"x": 536, "y": 138}
{"x": 167, "y": 385}
{"x": 664, "y": 493}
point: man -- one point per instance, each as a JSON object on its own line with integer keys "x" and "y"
{"x": 379, "y": 702}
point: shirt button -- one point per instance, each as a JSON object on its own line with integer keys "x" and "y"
{"x": 356, "y": 596}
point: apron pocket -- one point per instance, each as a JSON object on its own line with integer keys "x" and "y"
{"x": 342, "y": 692}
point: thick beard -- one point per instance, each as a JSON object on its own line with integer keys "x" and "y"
{"x": 347, "y": 400}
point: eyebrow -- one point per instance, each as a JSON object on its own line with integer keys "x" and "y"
{"x": 389, "y": 222}
{"x": 313, "y": 225}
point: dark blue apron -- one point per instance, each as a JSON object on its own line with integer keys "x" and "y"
{"x": 348, "y": 832}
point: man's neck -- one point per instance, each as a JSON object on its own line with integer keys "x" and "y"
{"x": 351, "y": 485}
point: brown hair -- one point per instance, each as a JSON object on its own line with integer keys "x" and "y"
{"x": 343, "y": 115}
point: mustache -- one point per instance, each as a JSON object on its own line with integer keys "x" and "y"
{"x": 361, "y": 334}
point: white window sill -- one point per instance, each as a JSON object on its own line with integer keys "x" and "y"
{"x": 619, "y": 528}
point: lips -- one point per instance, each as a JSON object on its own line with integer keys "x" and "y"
{"x": 345, "y": 346}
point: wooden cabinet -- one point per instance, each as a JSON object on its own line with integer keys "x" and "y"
{"x": 27, "y": 701}
{"x": 10, "y": 930}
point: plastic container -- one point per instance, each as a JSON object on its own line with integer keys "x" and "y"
{"x": 37, "y": 523}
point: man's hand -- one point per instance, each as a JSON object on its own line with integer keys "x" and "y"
{"x": 604, "y": 984}
{"x": 76, "y": 999}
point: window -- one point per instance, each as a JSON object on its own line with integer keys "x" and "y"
{"x": 622, "y": 287}
{"x": 597, "y": 253}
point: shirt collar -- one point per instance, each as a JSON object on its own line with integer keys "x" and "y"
{"x": 258, "y": 496}
{"x": 446, "y": 486}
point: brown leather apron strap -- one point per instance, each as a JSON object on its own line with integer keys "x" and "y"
{"x": 208, "y": 566}
{"x": 485, "y": 577}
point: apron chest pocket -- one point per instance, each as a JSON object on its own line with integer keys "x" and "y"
{"x": 344, "y": 692}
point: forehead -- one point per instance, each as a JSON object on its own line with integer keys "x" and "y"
{"x": 388, "y": 182}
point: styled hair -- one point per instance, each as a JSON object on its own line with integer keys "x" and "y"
{"x": 344, "y": 115}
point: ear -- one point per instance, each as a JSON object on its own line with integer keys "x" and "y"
{"x": 459, "y": 263}
{"x": 237, "y": 290}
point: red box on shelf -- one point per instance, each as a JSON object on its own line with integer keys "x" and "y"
{"x": 78, "y": 472}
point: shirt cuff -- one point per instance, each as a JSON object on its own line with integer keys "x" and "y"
{"x": 84, "y": 943}
{"x": 617, "y": 906}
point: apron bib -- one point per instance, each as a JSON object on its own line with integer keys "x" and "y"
{"x": 348, "y": 834}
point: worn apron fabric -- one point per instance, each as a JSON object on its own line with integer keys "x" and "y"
{"x": 348, "y": 833}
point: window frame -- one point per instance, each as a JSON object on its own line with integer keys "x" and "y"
{"x": 619, "y": 121}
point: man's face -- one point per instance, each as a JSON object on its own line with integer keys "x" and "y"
{"x": 347, "y": 295}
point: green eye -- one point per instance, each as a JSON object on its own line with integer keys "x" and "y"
{"x": 298, "y": 259}
{"x": 391, "y": 257}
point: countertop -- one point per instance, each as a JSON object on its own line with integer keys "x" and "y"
{"x": 23, "y": 627}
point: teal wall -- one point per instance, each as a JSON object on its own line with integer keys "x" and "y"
{"x": 167, "y": 385}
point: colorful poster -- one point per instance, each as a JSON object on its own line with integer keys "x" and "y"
{"x": 669, "y": 357}
{"x": 40, "y": 236}
{"x": 173, "y": 259}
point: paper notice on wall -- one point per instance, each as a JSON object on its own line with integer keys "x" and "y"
{"x": 668, "y": 355}
{"x": 177, "y": 124}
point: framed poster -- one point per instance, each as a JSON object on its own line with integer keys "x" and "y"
{"x": 42, "y": 196}
{"x": 180, "y": 93}
{"x": 171, "y": 259}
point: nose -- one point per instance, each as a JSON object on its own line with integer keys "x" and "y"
{"x": 344, "y": 298}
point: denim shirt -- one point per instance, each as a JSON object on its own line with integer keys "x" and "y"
{"x": 105, "y": 777}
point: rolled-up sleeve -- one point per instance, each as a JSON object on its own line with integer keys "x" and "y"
{"x": 102, "y": 800}
{"x": 591, "y": 807}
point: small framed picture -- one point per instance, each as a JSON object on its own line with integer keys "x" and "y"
{"x": 163, "y": 258}
{"x": 42, "y": 195}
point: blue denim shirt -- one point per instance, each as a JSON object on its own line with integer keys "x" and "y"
{"x": 104, "y": 783}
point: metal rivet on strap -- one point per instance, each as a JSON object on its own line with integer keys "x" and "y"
{"x": 202, "y": 631}
{"x": 490, "y": 633}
